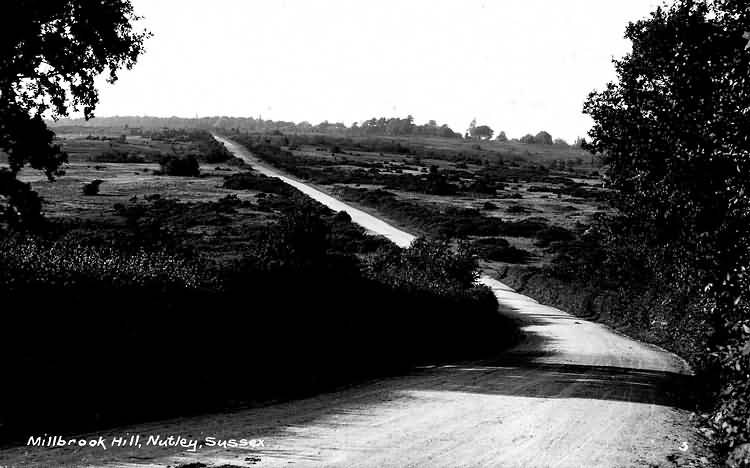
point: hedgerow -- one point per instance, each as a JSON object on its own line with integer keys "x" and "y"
{"x": 114, "y": 319}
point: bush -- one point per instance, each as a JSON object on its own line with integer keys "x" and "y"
{"x": 343, "y": 216}
{"x": 432, "y": 265}
{"x": 186, "y": 166}
{"x": 259, "y": 182}
{"x": 498, "y": 249}
{"x": 551, "y": 234}
{"x": 112, "y": 156}
{"x": 20, "y": 206}
{"x": 92, "y": 188}
{"x": 36, "y": 262}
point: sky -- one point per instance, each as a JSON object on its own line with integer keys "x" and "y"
{"x": 520, "y": 66}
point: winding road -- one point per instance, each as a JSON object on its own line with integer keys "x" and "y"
{"x": 572, "y": 394}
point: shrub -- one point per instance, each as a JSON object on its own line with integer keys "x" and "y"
{"x": 499, "y": 250}
{"x": 551, "y": 234}
{"x": 34, "y": 261}
{"x": 113, "y": 156}
{"x": 509, "y": 254}
{"x": 92, "y": 188}
{"x": 432, "y": 265}
{"x": 259, "y": 182}
{"x": 343, "y": 216}
{"x": 528, "y": 139}
{"x": 186, "y": 166}
{"x": 20, "y": 206}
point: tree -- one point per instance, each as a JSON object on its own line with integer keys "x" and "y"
{"x": 472, "y": 126}
{"x": 48, "y": 62}
{"x": 528, "y": 139}
{"x": 502, "y": 137}
{"x": 543, "y": 138}
{"x": 446, "y": 132}
{"x": 674, "y": 131}
{"x": 482, "y": 132}
{"x": 560, "y": 142}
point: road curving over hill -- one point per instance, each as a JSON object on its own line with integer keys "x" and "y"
{"x": 572, "y": 394}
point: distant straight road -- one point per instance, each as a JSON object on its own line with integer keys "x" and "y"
{"x": 573, "y": 394}
{"x": 369, "y": 222}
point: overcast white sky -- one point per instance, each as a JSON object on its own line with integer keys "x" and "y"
{"x": 517, "y": 65}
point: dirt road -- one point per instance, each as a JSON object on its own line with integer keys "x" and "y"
{"x": 573, "y": 394}
{"x": 371, "y": 223}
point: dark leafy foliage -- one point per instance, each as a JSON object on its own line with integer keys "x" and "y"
{"x": 92, "y": 188}
{"x": 23, "y": 206}
{"x": 118, "y": 157}
{"x": 154, "y": 316}
{"x": 553, "y": 234}
{"x": 75, "y": 40}
{"x": 259, "y": 182}
{"x": 498, "y": 249}
{"x": 186, "y": 166}
{"x": 675, "y": 133}
{"x": 49, "y": 58}
{"x": 432, "y": 265}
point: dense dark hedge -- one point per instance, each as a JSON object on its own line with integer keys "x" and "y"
{"x": 186, "y": 166}
{"x": 102, "y": 336}
{"x": 497, "y": 249}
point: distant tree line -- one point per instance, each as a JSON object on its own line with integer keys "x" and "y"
{"x": 381, "y": 126}
{"x": 484, "y": 132}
